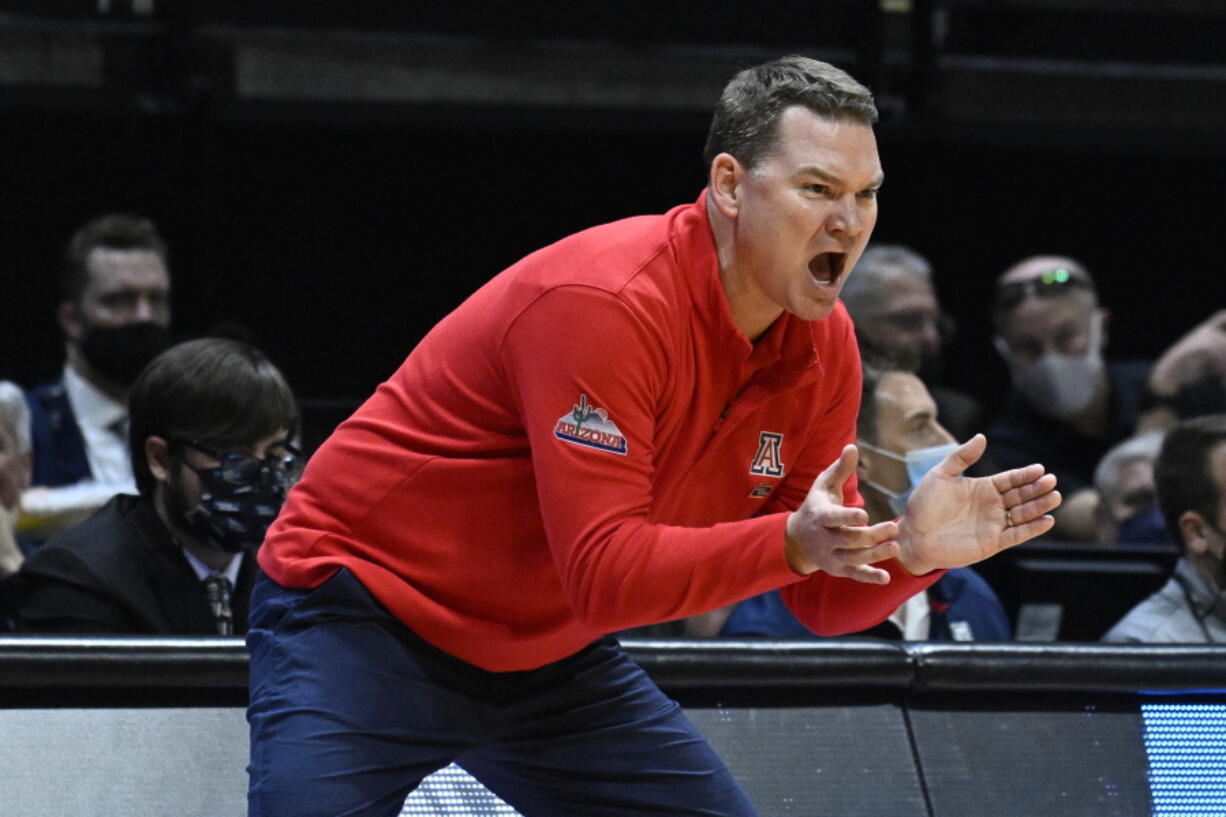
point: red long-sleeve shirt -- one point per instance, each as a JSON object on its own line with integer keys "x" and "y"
{"x": 586, "y": 444}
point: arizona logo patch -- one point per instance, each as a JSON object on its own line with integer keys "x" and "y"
{"x": 591, "y": 427}
{"x": 768, "y": 462}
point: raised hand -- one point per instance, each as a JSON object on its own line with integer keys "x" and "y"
{"x": 952, "y": 521}
{"x": 824, "y": 534}
{"x": 1199, "y": 354}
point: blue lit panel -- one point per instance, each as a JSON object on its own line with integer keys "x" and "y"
{"x": 454, "y": 792}
{"x": 1186, "y": 747}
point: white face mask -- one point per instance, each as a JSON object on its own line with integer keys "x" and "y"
{"x": 1061, "y": 386}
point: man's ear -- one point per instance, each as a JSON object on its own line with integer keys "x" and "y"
{"x": 157, "y": 457}
{"x": 1105, "y": 327}
{"x": 724, "y": 184}
{"x": 1192, "y": 529}
{"x": 69, "y": 317}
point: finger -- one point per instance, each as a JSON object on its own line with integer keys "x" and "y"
{"x": 1040, "y": 506}
{"x": 839, "y": 516}
{"x": 1042, "y": 485}
{"x": 868, "y": 575}
{"x": 1006, "y": 481}
{"x": 860, "y": 537}
{"x": 1017, "y": 534}
{"x": 839, "y": 471}
{"x": 858, "y": 557}
{"x": 963, "y": 457}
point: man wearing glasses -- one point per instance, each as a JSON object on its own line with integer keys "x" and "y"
{"x": 211, "y": 427}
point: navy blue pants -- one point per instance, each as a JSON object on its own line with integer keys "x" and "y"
{"x": 350, "y": 710}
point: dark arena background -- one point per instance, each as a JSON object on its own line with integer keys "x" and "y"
{"x": 333, "y": 178}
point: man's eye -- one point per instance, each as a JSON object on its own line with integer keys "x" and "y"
{"x": 818, "y": 189}
{"x": 868, "y": 194}
{"x": 911, "y": 321}
{"x": 118, "y": 299}
{"x": 1027, "y": 351}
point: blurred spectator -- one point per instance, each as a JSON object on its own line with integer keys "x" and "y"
{"x": 1128, "y": 511}
{"x": 14, "y": 477}
{"x": 1190, "y": 378}
{"x": 900, "y": 439}
{"x": 1067, "y": 406}
{"x": 893, "y": 302}
{"x": 212, "y": 421}
{"x": 14, "y": 469}
{"x": 114, "y": 314}
{"x": 1190, "y": 473}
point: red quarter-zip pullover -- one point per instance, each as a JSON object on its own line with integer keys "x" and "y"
{"x": 587, "y": 444}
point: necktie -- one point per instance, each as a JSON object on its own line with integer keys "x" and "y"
{"x": 217, "y": 590}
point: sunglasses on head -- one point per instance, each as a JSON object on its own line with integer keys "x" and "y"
{"x": 1049, "y": 284}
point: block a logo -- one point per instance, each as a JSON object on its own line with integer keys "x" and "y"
{"x": 768, "y": 462}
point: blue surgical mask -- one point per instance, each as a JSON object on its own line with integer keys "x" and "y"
{"x": 919, "y": 462}
{"x": 1144, "y": 528}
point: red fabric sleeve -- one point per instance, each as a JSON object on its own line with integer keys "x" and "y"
{"x": 618, "y": 569}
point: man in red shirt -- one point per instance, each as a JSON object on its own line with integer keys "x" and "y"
{"x": 648, "y": 420}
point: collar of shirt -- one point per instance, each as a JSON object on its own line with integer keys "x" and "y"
{"x": 103, "y": 424}
{"x": 1207, "y": 601}
{"x": 92, "y": 408}
{"x": 913, "y": 618}
{"x": 784, "y": 350}
{"x": 203, "y": 571}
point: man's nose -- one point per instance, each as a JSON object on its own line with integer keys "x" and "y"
{"x": 930, "y": 337}
{"x": 846, "y": 217}
{"x": 144, "y": 310}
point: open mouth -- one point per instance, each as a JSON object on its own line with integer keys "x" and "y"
{"x": 827, "y": 267}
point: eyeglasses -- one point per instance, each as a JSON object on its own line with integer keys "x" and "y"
{"x": 1049, "y": 284}
{"x": 238, "y": 468}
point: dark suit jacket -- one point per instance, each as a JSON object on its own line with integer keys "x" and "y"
{"x": 120, "y": 572}
{"x": 59, "y": 448}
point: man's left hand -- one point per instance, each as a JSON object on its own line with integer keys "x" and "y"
{"x": 953, "y": 521}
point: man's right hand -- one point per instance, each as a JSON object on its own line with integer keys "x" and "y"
{"x": 824, "y": 534}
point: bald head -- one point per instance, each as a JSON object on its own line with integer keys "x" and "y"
{"x": 1044, "y": 277}
{"x": 1037, "y": 266}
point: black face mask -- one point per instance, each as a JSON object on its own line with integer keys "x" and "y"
{"x": 120, "y": 353}
{"x": 238, "y": 499}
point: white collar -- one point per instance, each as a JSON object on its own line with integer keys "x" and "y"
{"x": 203, "y": 571}
{"x": 91, "y": 406}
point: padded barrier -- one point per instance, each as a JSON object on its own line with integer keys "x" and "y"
{"x": 200, "y": 669}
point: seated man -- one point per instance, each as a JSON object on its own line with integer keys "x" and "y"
{"x": 899, "y": 439}
{"x": 1190, "y": 475}
{"x": 212, "y": 421}
{"x": 894, "y": 304}
{"x": 1069, "y": 405}
{"x": 114, "y": 313}
{"x": 1128, "y": 512}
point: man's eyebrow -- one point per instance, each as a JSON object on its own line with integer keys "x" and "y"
{"x": 827, "y": 176}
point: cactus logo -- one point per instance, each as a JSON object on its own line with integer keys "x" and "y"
{"x": 590, "y": 426}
